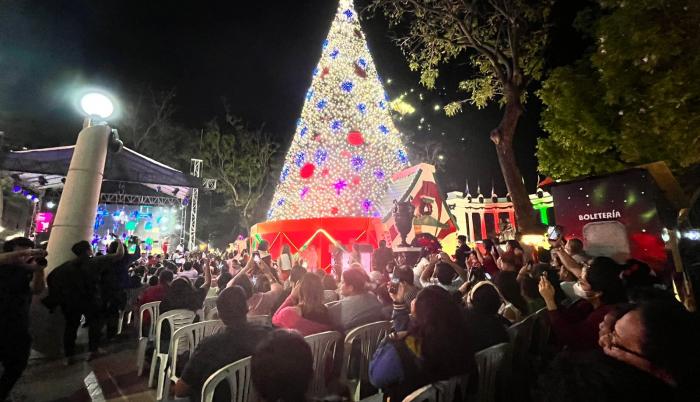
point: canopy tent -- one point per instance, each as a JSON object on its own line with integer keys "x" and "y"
{"x": 129, "y": 179}
{"x": 45, "y": 169}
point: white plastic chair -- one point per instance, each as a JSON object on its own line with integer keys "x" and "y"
{"x": 127, "y": 314}
{"x": 520, "y": 335}
{"x": 264, "y": 320}
{"x": 441, "y": 391}
{"x": 540, "y": 333}
{"x": 493, "y": 365}
{"x": 185, "y": 339}
{"x": 208, "y": 304}
{"x": 369, "y": 336}
{"x": 212, "y": 314}
{"x": 176, "y": 319}
{"x": 323, "y": 347}
{"x": 124, "y": 315}
{"x": 427, "y": 393}
{"x": 331, "y": 304}
{"x": 153, "y": 309}
{"x": 238, "y": 375}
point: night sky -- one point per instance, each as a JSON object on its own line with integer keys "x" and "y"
{"x": 258, "y": 55}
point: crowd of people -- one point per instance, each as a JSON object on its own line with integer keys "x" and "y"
{"x": 611, "y": 323}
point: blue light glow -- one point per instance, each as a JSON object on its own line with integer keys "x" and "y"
{"x": 336, "y": 125}
{"x": 383, "y": 129}
{"x": 346, "y": 86}
{"x": 299, "y": 158}
{"x": 402, "y": 157}
{"x": 284, "y": 174}
{"x": 334, "y": 54}
{"x": 357, "y": 162}
{"x": 321, "y": 104}
{"x": 362, "y": 108}
{"x": 320, "y": 156}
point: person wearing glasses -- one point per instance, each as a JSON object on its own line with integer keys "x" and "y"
{"x": 658, "y": 337}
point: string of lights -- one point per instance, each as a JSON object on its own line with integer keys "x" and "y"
{"x": 346, "y": 145}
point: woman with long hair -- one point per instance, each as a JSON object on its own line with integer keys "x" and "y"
{"x": 434, "y": 347}
{"x": 304, "y": 310}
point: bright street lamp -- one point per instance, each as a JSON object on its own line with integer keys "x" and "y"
{"x": 97, "y": 104}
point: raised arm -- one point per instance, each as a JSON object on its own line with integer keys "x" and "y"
{"x": 428, "y": 271}
{"x": 244, "y": 271}
{"x": 479, "y": 256}
{"x": 274, "y": 282}
{"x": 459, "y": 270}
{"x": 569, "y": 263}
{"x": 19, "y": 257}
{"x": 118, "y": 255}
{"x": 38, "y": 281}
{"x": 207, "y": 275}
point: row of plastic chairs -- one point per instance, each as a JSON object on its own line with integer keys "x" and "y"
{"x": 496, "y": 364}
{"x": 185, "y": 340}
{"x": 185, "y": 336}
{"x": 324, "y": 350}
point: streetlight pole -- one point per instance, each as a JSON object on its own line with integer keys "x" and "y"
{"x": 75, "y": 215}
{"x": 76, "y": 211}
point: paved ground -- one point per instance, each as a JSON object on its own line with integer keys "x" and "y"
{"x": 115, "y": 375}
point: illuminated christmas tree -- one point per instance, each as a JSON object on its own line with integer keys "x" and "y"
{"x": 345, "y": 146}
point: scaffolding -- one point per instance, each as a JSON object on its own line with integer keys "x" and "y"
{"x": 196, "y": 171}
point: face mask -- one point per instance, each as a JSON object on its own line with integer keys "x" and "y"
{"x": 582, "y": 293}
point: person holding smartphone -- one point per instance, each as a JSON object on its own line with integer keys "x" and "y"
{"x": 265, "y": 289}
{"x": 401, "y": 289}
{"x": 21, "y": 275}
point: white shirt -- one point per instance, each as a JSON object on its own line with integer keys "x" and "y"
{"x": 418, "y": 271}
{"x": 192, "y": 274}
{"x": 285, "y": 262}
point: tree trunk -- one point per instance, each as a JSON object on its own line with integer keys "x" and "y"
{"x": 244, "y": 224}
{"x": 502, "y": 137}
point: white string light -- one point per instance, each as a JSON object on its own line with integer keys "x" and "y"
{"x": 345, "y": 146}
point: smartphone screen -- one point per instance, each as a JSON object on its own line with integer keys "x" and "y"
{"x": 553, "y": 233}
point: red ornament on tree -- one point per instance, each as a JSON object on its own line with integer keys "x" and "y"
{"x": 307, "y": 170}
{"x": 345, "y": 154}
{"x": 324, "y": 172}
{"x": 325, "y": 72}
{"x": 334, "y": 210}
{"x": 356, "y": 180}
{"x": 355, "y": 138}
{"x": 360, "y": 72}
